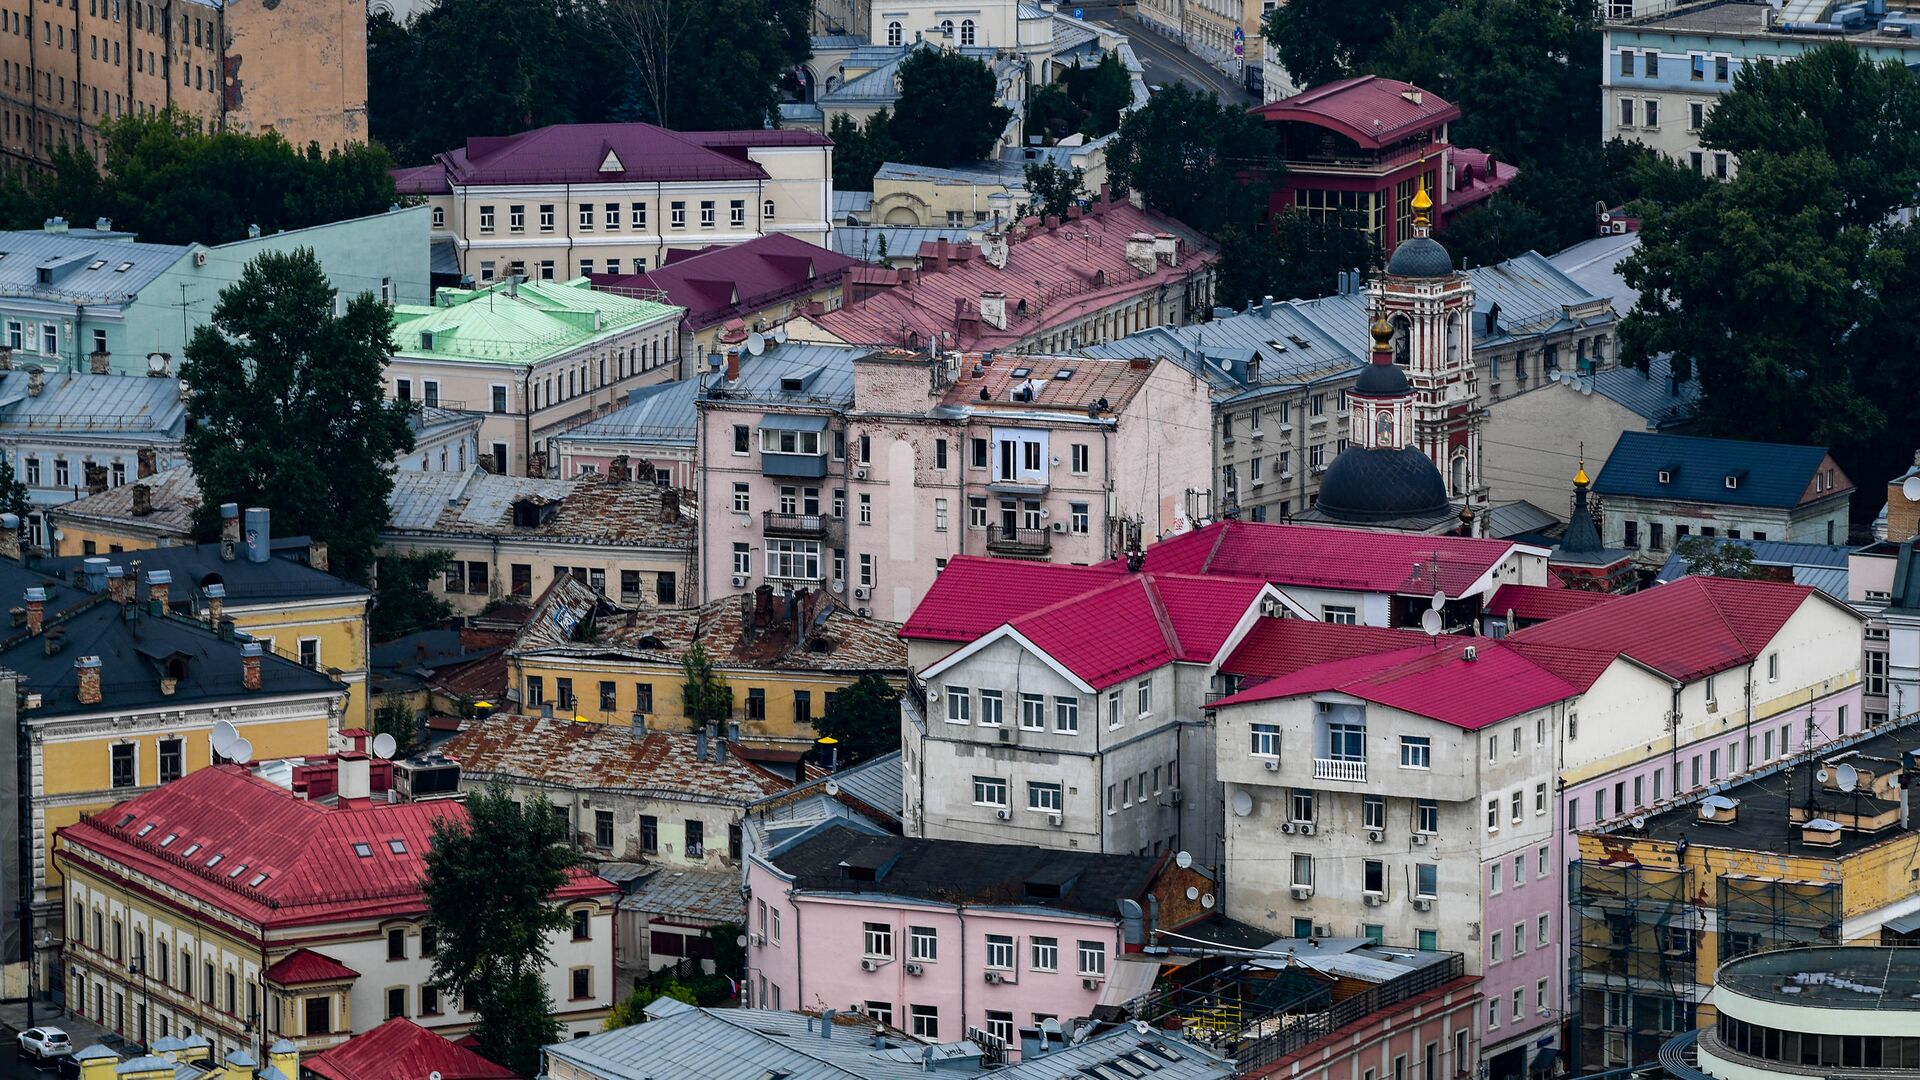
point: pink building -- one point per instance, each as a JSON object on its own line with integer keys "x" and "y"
{"x": 940, "y": 938}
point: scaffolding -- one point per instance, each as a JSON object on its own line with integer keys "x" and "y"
{"x": 1635, "y": 934}
{"x": 1757, "y": 914}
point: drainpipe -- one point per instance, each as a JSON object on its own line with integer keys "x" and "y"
{"x": 560, "y": 273}
{"x": 526, "y": 410}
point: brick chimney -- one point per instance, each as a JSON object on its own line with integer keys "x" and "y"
{"x": 87, "y": 668}
{"x": 100, "y": 362}
{"x": 216, "y": 603}
{"x": 250, "y": 665}
{"x": 229, "y": 531}
{"x": 317, "y": 556}
{"x": 117, "y": 584}
{"x": 145, "y": 463}
{"x": 36, "y": 382}
{"x": 733, "y": 365}
{"x": 619, "y": 471}
{"x": 36, "y": 609}
{"x": 159, "y": 585}
{"x": 669, "y": 506}
{"x": 96, "y": 476}
{"x": 10, "y": 536}
{"x": 6, "y": 358}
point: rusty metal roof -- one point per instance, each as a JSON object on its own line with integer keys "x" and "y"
{"x": 1054, "y": 382}
{"x": 590, "y": 510}
{"x": 810, "y": 632}
{"x": 580, "y": 755}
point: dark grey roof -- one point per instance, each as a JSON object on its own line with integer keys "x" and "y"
{"x": 1652, "y": 393}
{"x": 1698, "y": 469}
{"x": 82, "y": 269}
{"x": 1382, "y": 380}
{"x": 1376, "y": 485}
{"x": 1767, "y": 553}
{"x": 660, "y": 415}
{"x": 953, "y": 871}
{"x": 793, "y": 373}
{"x": 134, "y": 653}
{"x": 121, "y": 406}
{"x": 705, "y": 895}
{"x": 194, "y": 567}
{"x": 1420, "y": 257}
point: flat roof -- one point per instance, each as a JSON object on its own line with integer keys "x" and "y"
{"x": 1829, "y": 977}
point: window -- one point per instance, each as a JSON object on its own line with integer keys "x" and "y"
{"x": 1033, "y": 712}
{"x": 1265, "y": 740}
{"x": 172, "y": 759}
{"x": 1044, "y": 797}
{"x": 1302, "y": 870}
{"x": 123, "y": 765}
{"x": 649, "y": 834}
{"x": 1066, "y": 715}
{"x": 1044, "y": 953}
{"x": 737, "y": 214}
{"x": 1653, "y": 112}
{"x": 1143, "y": 693}
{"x": 1344, "y": 616}
{"x": 1093, "y": 959}
{"x": 1493, "y": 947}
{"x": 1373, "y": 876}
{"x": 1373, "y": 812}
{"x": 1000, "y": 951}
{"x": 1696, "y": 116}
{"x": 396, "y": 1002}
{"x": 1626, "y": 62}
{"x": 1426, "y": 880}
{"x": 991, "y": 712}
{"x": 397, "y": 943}
{"x": 429, "y": 1000}
{"x": 989, "y": 791}
{"x": 1514, "y": 804}
{"x": 581, "y": 983}
{"x": 1426, "y": 816}
{"x": 925, "y": 1022}
{"x": 1626, "y": 112}
{"x": 1416, "y": 752}
{"x": 959, "y": 704}
{"x": 695, "y": 844}
{"x": 1722, "y": 66}
{"x": 486, "y": 219}
{"x": 546, "y": 217}
{"x": 586, "y": 217}
{"x": 677, "y": 214}
{"x": 1698, "y": 72}
{"x": 1079, "y": 458}
{"x": 517, "y": 218}
{"x": 923, "y": 943}
{"x": 1539, "y": 798}
{"x": 708, "y": 216}
{"x": 1079, "y": 518}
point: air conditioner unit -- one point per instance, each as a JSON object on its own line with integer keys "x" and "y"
{"x": 994, "y": 978}
{"x": 740, "y": 581}
{"x": 1006, "y": 734}
{"x": 1059, "y": 526}
{"x": 1322, "y": 930}
{"x": 199, "y": 258}
{"x": 869, "y": 965}
{"x": 859, "y": 474}
{"x": 914, "y": 969}
{"x": 1289, "y": 828}
{"x": 1174, "y": 796}
{"x": 1423, "y": 903}
{"x": 1420, "y": 839}
{"x": 1053, "y": 820}
{"x": 1302, "y": 892}
{"x": 1306, "y": 828}
{"x": 1375, "y": 836}
{"x": 1273, "y": 764}
{"x": 1003, "y": 814}
{"x": 756, "y": 940}
{"x": 1089, "y": 984}
{"x": 862, "y": 593}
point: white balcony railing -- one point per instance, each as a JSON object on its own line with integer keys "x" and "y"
{"x": 1339, "y": 769}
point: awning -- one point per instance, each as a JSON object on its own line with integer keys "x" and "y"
{"x": 1543, "y": 1060}
{"x": 1129, "y": 977}
{"x": 1905, "y": 924}
{"x": 792, "y": 422}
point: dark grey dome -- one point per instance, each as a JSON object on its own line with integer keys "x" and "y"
{"x": 1382, "y": 485}
{"x": 1422, "y": 256}
{"x": 1381, "y": 380}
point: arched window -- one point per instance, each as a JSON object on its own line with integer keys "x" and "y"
{"x": 946, "y": 29}
{"x": 966, "y": 32}
{"x": 1460, "y": 473}
{"x": 896, "y": 34}
{"x": 766, "y": 210}
{"x": 1453, "y": 341}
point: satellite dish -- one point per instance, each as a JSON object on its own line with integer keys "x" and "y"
{"x": 833, "y": 787}
{"x": 240, "y": 750}
{"x": 434, "y": 1075}
{"x": 1639, "y": 821}
{"x": 1207, "y": 901}
{"x": 756, "y": 344}
{"x": 384, "y": 745}
{"x": 1439, "y": 599}
{"x": 157, "y": 362}
{"x": 1183, "y": 860}
{"x": 1242, "y": 804}
{"x": 1431, "y": 622}
{"x": 1823, "y": 776}
{"x": 1141, "y": 1027}
{"x": 1193, "y": 892}
{"x": 224, "y": 736}
{"x": 837, "y": 585}
{"x": 1846, "y": 778}
{"x": 746, "y": 519}
{"x": 741, "y": 940}
{"x": 1910, "y": 487}
{"x": 779, "y": 335}
{"x": 1707, "y": 809}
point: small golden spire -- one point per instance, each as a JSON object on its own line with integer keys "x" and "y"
{"x": 1382, "y": 332}
{"x": 1580, "y": 477}
{"x": 1422, "y": 202}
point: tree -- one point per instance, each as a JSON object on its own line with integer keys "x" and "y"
{"x": 864, "y": 718}
{"x": 394, "y": 716}
{"x": 632, "y": 1009}
{"x": 13, "y": 493}
{"x": 859, "y": 151}
{"x": 1196, "y": 159}
{"x": 402, "y": 599}
{"x": 1053, "y": 188}
{"x": 705, "y": 696}
{"x": 289, "y": 407}
{"x": 1320, "y": 41}
{"x": 947, "y": 113}
{"x": 1706, "y": 556}
{"x": 1109, "y": 89}
{"x": 711, "y": 64}
{"x": 490, "y": 878}
{"x": 1294, "y": 256}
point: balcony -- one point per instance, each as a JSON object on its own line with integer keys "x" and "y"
{"x": 1020, "y": 543}
{"x": 795, "y": 526}
{"x": 1030, "y": 484}
{"x": 1346, "y": 769}
{"x": 793, "y": 466}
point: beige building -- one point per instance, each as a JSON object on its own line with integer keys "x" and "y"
{"x": 299, "y": 69}
{"x": 1225, "y": 33}
{"x": 577, "y": 199}
{"x": 511, "y": 536}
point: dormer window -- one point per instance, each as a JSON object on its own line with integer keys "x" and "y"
{"x": 1732, "y": 482}
{"x": 365, "y": 851}
{"x": 1666, "y": 476}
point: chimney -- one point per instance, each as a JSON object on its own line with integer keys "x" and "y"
{"x": 700, "y": 743}
{"x": 618, "y": 471}
{"x": 159, "y": 585}
{"x": 94, "y": 574}
{"x": 1167, "y": 247}
{"x": 36, "y": 609}
{"x": 6, "y": 358}
{"x": 317, "y": 555}
{"x": 1140, "y": 252}
{"x": 224, "y": 628}
{"x": 36, "y": 381}
{"x": 763, "y": 605}
{"x": 142, "y": 500}
{"x": 669, "y": 506}
{"x": 144, "y": 463}
{"x": 10, "y": 536}
{"x": 993, "y": 248}
{"x": 250, "y": 665}
{"x": 719, "y": 750}
{"x": 1052, "y": 222}
{"x": 87, "y": 668}
{"x": 259, "y": 534}
{"x": 733, "y": 365}
{"x": 99, "y": 362}
{"x": 993, "y": 309}
{"x": 733, "y": 731}
{"x": 355, "y": 776}
{"x": 229, "y": 530}
{"x": 826, "y": 1024}
{"x": 941, "y": 254}
{"x": 117, "y": 584}
{"x": 216, "y": 604}
{"x": 639, "y": 728}
{"x": 284, "y": 1057}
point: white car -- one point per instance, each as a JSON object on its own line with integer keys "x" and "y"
{"x": 42, "y": 1043}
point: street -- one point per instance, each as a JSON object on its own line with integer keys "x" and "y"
{"x": 1164, "y": 60}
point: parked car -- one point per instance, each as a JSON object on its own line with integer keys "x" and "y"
{"x": 42, "y": 1043}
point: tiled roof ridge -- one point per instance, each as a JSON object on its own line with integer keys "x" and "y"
{"x": 1158, "y": 605}
{"x": 1213, "y": 550}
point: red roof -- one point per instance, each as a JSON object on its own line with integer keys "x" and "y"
{"x": 721, "y": 283}
{"x": 1275, "y": 647}
{"x": 1368, "y": 109}
{"x": 1052, "y": 277}
{"x": 1137, "y": 623}
{"x": 303, "y": 966}
{"x": 976, "y": 594}
{"x": 1352, "y": 559}
{"x": 1685, "y": 630}
{"x": 1435, "y": 680}
{"x": 401, "y": 1050}
{"x": 254, "y": 850}
{"x": 579, "y": 154}
{"x": 1476, "y": 176}
{"x": 1537, "y": 603}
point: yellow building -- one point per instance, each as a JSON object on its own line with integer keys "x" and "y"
{"x": 783, "y": 658}
{"x": 1816, "y": 851}
{"x": 279, "y": 592}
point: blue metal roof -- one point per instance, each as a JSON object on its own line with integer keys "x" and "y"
{"x": 82, "y": 269}
{"x": 863, "y": 241}
{"x": 1820, "y": 562}
{"x": 125, "y": 406}
{"x": 794, "y": 373}
{"x": 1595, "y": 266}
{"x": 1653, "y": 393}
{"x": 1773, "y": 475}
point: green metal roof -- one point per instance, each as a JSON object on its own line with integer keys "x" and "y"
{"x": 520, "y": 323}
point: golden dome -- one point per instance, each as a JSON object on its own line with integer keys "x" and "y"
{"x": 1581, "y": 476}
{"x": 1382, "y": 332}
{"x": 1421, "y": 200}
